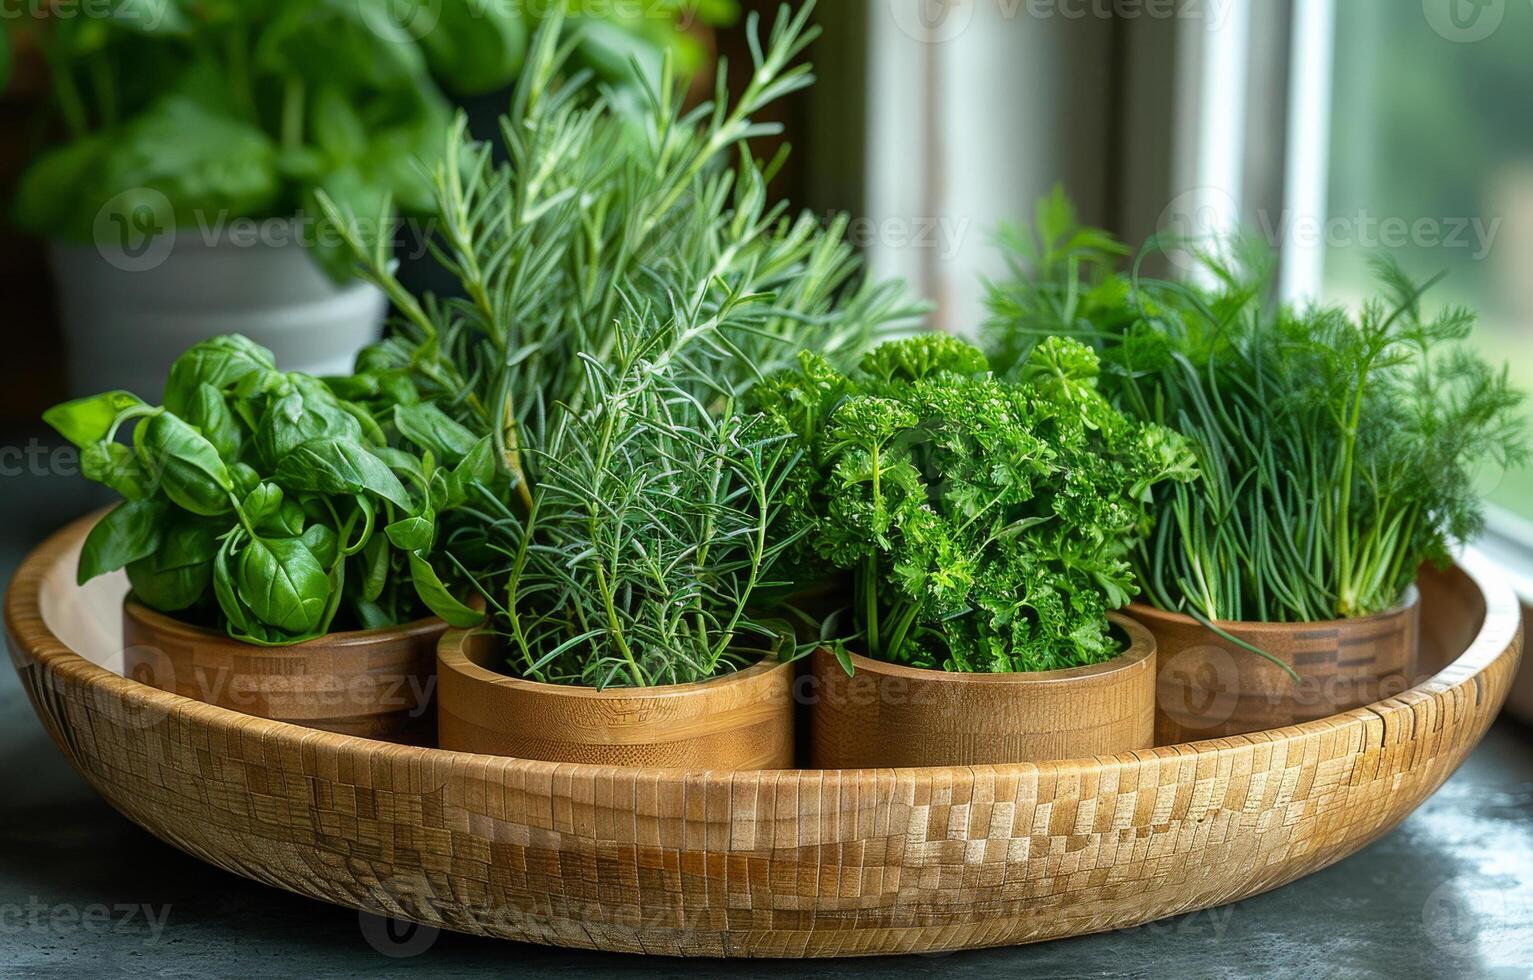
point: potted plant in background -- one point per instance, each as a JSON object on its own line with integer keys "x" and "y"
{"x": 986, "y": 528}
{"x": 1336, "y": 453}
{"x": 624, "y": 280}
{"x": 277, "y": 539}
{"x": 181, "y": 204}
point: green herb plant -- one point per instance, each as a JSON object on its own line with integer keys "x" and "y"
{"x": 1337, "y": 450}
{"x": 625, "y": 282}
{"x": 986, "y": 524}
{"x": 264, "y": 504}
{"x": 231, "y": 109}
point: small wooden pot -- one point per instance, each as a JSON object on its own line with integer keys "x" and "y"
{"x": 376, "y": 684}
{"x": 1209, "y": 687}
{"x": 743, "y": 721}
{"x": 887, "y": 715}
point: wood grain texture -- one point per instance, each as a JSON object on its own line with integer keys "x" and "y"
{"x": 375, "y": 684}
{"x": 887, "y": 715}
{"x": 743, "y": 721}
{"x": 1209, "y": 687}
{"x": 763, "y": 864}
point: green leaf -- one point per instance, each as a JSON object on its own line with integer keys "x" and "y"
{"x": 338, "y": 129}
{"x": 262, "y": 503}
{"x": 245, "y": 478}
{"x": 376, "y": 567}
{"x": 5, "y": 56}
{"x": 283, "y": 585}
{"x": 223, "y": 363}
{"x": 224, "y": 589}
{"x": 209, "y": 413}
{"x": 355, "y": 43}
{"x": 203, "y": 159}
{"x": 323, "y": 543}
{"x": 87, "y": 421}
{"x": 340, "y": 466}
{"x": 129, "y": 532}
{"x": 429, "y": 427}
{"x": 411, "y": 534}
{"x": 115, "y": 465}
{"x": 428, "y": 585}
{"x": 306, "y": 413}
{"x": 476, "y": 49}
{"x": 177, "y": 575}
{"x": 53, "y": 198}
{"x": 192, "y": 473}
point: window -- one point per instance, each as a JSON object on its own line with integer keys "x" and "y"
{"x": 1431, "y": 156}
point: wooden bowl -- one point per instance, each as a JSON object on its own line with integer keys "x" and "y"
{"x": 1209, "y": 687}
{"x": 889, "y": 715}
{"x": 374, "y": 684}
{"x": 786, "y": 864}
{"x": 742, "y": 721}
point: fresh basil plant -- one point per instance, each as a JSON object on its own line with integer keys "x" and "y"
{"x": 231, "y": 109}
{"x": 266, "y": 504}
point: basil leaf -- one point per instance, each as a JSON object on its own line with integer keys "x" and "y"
{"x": 411, "y": 534}
{"x": 375, "y": 569}
{"x": 302, "y": 416}
{"x": 87, "y": 421}
{"x": 283, "y": 585}
{"x": 116, "y": 466}
{"x": 264, "y": 502}
{"x": 192, "y": 473}
{"x": 245, "y": 478}
{"x": 130, "y": 532}
{"x": 479, "y": 465}
{"x": 430, "y": 428}
{"x": 221, "y": 362}
{"x": 209, "y": 413}
{"x": 177, "y": 575}
{"x": 340, "y": 466}
{"x": 323, "y": 542}
{"x": 288, "y": 522}
{"x": 223, "y": 585}
{"x": 428, "y": 585}
{"x": 476, "y": 51}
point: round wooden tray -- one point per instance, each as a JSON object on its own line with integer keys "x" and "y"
{"x": 764, "y": 863}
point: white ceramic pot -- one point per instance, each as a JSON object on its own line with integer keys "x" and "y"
{"x": 126, "y": 318}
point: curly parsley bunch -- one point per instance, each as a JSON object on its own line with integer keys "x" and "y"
{"x": 987, "y": 524}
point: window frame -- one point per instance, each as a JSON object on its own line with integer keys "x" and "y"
{"x": 1303, "y": 101}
